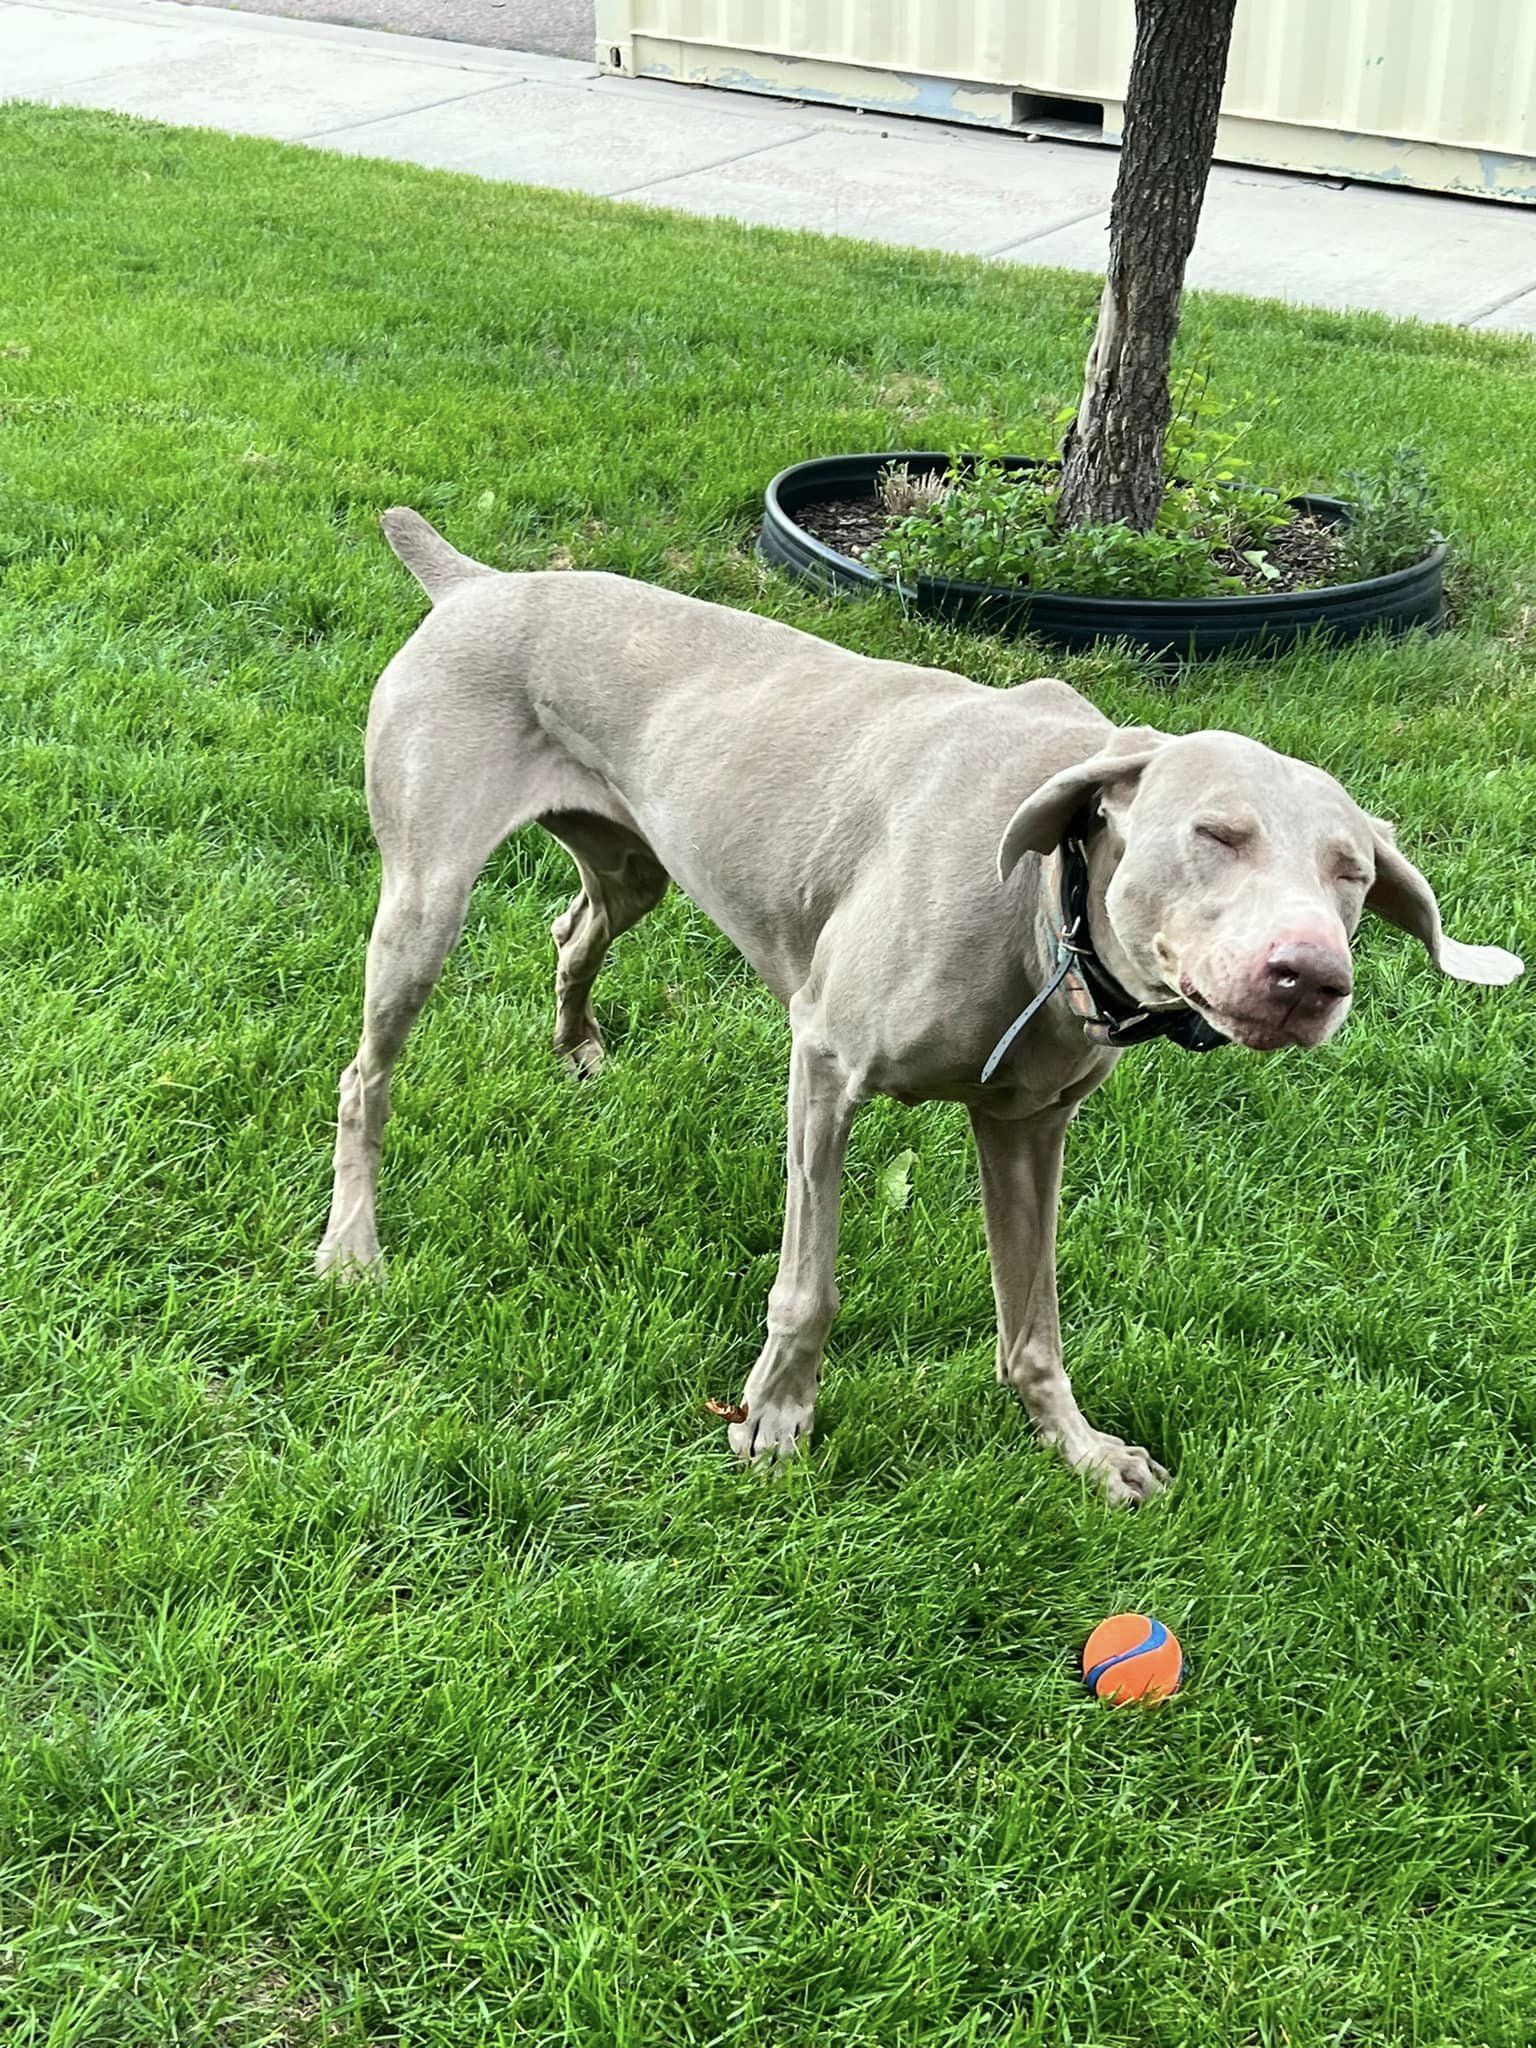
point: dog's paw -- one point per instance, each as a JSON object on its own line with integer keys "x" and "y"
{"x": 1125, "y": 1473}
{"x": 348, "y": 1264}
{"x": 773, "y": 1433}
{"x": 582, "y": 1061}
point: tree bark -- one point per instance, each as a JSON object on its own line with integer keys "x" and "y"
{"x": 1113, "y": 457}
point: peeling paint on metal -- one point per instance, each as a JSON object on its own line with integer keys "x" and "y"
{"x": 938, "y": 99}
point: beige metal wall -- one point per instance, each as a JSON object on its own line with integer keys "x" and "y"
{"x": 1440, "y": 93}
{"x": 1013, "y": 42}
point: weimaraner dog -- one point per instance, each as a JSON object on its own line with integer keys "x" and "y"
{"x": 909, "y": 860}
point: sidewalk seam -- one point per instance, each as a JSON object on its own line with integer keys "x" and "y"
{"x": 1023, "y": 241}
{"x": 718, "y": 163}
{"x": 1509, "y": 298}
{"x": 452, "y": 99}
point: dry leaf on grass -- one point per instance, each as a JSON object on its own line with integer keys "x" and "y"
{"x": 725, "y": 1410}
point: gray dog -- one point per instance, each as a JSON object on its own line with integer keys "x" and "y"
{"x": 909, "y": 860}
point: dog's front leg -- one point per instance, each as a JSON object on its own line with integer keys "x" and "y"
{"x": 780, "y": 1394}
{"x": 1020, "y": 1187}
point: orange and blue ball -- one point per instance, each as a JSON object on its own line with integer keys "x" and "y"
{"x": 1132, "y": 1657}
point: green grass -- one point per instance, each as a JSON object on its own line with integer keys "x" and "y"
{"x": 413, "y": 1668}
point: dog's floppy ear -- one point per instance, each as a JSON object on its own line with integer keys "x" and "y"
{"x": 1401, "y": 895}
{"x": 1037, "y": 825}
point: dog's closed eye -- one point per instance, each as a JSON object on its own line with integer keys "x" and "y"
{"x": 1224, "y": 833}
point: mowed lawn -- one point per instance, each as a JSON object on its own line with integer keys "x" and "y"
{"x": 412, "y": 1667}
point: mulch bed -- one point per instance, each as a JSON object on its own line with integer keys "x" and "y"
{"x": 851, "y": 525}
{"x": 1305, "y": 553}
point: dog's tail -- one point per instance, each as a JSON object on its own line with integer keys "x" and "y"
{"x": 437, "y": 567}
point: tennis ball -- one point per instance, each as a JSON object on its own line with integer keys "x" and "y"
{"x": 1132, "y": 1657}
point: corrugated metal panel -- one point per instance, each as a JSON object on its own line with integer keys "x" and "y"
{"x": 1458, "y": 73}
{"x": 1461, "y": 71}
{"x": 1047, "y": 45}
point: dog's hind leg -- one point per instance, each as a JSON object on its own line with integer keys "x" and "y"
{"x": 452, "y": 770}
{"x": 621, "y": 879}
{"x": 779, "y": 1399}
{"x": 420, "y": 916}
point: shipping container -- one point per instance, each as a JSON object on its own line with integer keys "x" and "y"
{"x": 1439, "y": 94}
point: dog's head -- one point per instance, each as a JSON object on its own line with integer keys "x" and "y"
{"x": 1238, "y": 879}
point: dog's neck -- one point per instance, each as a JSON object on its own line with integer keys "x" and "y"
{"x": 1099, "y": 850}
{"x": 1076, "y": 880}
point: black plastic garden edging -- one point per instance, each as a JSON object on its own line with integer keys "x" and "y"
{"x": 1188, "y": 628}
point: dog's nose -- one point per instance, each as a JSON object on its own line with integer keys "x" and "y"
{"x": 1316, "y": 977}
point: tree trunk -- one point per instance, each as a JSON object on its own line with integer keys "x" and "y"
{"x": 1113, "y": 458}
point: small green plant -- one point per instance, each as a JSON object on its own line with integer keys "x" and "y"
{"x": 1231, "y": 519}
{"x": 1113, "y": 561}
{"x": 981, "y": 522}
{"x": 1393, "y": 524}
{"x": 995, "y": 525}
{"x": 986, "y": 526}
{"x": 1208, "y": 491}
{"x": 1202, "y": 443}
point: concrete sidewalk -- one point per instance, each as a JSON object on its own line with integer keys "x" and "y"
{"x": 558, "y": 28}
{"x": 552, "y": 121}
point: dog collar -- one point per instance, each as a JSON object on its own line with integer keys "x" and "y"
{"x": 1111, "y": 1015}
